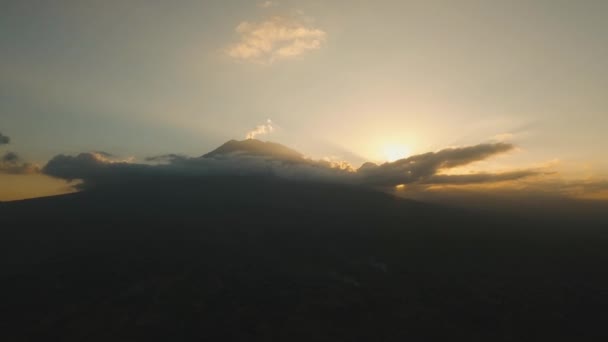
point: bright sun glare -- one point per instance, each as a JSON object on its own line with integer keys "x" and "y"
{"x": 395, "y": 152}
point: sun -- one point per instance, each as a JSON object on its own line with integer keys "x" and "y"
{"x": 395, "y": 152}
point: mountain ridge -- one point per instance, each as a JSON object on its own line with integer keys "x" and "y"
{"x": 254, "y": 147}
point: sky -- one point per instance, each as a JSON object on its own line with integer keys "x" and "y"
{"x": 347, "y": 80}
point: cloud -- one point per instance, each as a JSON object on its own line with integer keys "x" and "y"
{"x": 275, "y": 39}
{"x": 335, "y": 163}
{"x": 253, "y": 157}
{"x": 166, "y": 158}
{"x": 94, "y": 170}
{"x": 421, "y": 168}
{"x": 582, "y": 189}
{"x": 4, "y": 140}
{"x": 478, "y": 178}
{"x": 260, "y": 130}
{"x": 104, "y": 154}
{"x": 10, "y": 157}
{"x": 267, "y": 4}
{"x": 92, "y": 167}
{"x": 11, "y": 163}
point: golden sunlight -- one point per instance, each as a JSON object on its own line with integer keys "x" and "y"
{"x": 395, "y": 152}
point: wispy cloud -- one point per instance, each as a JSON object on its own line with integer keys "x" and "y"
{"x": 260, "y": 130}
{"x": 422, "y": 168}
{"x": 275, "y": 39}
{"x": 480, "y": 178}
{"x": 503, "y": 137}
{"x": 267, "y": 4}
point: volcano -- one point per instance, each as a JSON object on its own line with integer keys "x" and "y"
{"x": 257, "y": 148}
{"x": 238, "y": 257}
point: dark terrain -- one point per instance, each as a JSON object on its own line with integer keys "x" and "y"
{"x": 263, "y": 259}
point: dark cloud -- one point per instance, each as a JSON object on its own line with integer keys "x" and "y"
{"x": 421, "y": 168}
{"x": 257, "y": 158}
{"x": 11, "y": 163}
{"x": 10, "y": 157}
{"x": 4, "y": 139}
{"x": 166, "y": 158}
{"x": 92, "y": 167}
{"x": 478, "y": 178}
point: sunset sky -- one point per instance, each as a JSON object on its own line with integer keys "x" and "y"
{"x": 347, "y": 80}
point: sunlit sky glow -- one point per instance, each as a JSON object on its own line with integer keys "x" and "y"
{"x": 353, "y": 80}
{"x": 394, "y": 152}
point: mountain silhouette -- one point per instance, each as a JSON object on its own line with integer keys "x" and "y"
{"x": 262, "y": 258}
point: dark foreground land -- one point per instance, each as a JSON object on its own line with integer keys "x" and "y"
{"x": 236, "y": 259}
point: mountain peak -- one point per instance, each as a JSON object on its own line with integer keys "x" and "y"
{"x": 254, "y": 147}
